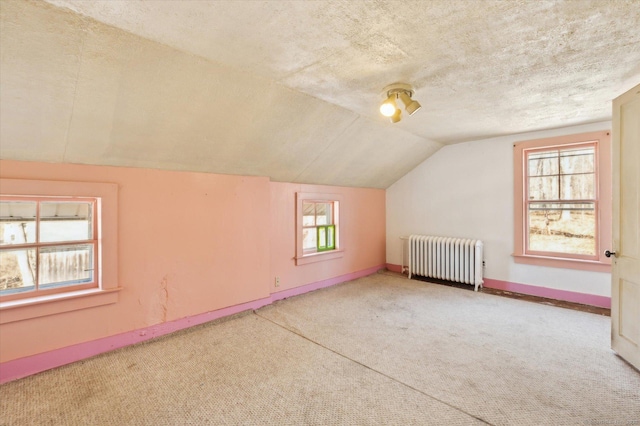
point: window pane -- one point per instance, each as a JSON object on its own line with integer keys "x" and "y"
{"x": 17, "y": 222}
{"x": 65, "y": 222}
{"x": 322, "y": 238}
{"x": 308, "y": 214}
{"x": 579, "y": 160}
{"x": 309, "y": 239}
{"x": 323, "y": 212}
{"x": 543, "y": 188}
{"x": 543, "y": 163}
{"x": 17, "y": 270}
{"x": 66, "y": 265}
{"x": 331, "y": 240}
{"x": 562, "y": 228}
{"x": 578, "y": 187}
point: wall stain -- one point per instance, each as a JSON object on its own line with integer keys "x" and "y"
{"x": 164, "y": 297}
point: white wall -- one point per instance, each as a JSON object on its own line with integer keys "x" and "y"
{"x": 466, "y": 190}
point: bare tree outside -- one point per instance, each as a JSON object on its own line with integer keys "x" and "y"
{"x": 561, "y": 204}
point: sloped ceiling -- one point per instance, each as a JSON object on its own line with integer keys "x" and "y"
{"x": 290, "y": 89}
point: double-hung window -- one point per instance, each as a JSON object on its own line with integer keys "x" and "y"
{"x": 563, "y": 199}
{"x": 58, "y": 247}
{"x": 318, "y": 227}
{"x": 47, "y": 245}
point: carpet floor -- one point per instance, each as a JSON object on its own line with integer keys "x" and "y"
{"x": 381, "y": 350}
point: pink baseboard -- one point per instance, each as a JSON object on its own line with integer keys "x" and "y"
{"x": 324, "y": 283}
{"x": 550, "y": 293}
{"x": 532, "y": 290}
{"x": 22, "y": 367}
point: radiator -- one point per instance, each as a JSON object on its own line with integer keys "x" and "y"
{"x": 452, "y": 259}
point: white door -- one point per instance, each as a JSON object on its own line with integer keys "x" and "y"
{"x": 625, "y": 281}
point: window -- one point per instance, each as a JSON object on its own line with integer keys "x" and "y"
{"x": 58, "y": 247}
{"x": 318, "y": 227}
{"x": 47, "y": 245}
{"x": 563, "y": 206}
{"x": 561, "y": 202}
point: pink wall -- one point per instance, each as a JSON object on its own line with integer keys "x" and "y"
{"x": 192, "y": 243}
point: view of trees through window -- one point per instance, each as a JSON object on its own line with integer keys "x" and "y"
{"x": 562, "y": 200}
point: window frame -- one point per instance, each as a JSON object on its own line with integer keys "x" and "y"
{"x": 304, "y": 257}
{"x": 602, "y": 203}
{"x": 106, "y": 222}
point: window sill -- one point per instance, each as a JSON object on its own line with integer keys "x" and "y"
{"x": 18, "y": 310}
{"x": 559, "y": 262}
{"x": 319, "y": 257}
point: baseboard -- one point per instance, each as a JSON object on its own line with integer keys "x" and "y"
{"x": 550, "y": 293}
{"x": 23, "y": 367}
{"x": 532, "y": 290}
{"x": 394, "y": 268}
{"x": 324, "y": 283}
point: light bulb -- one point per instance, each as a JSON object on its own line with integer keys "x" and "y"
{"x": 388, "y": 107}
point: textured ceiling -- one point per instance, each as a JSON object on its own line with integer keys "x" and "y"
{"x": 480, "y": 68}
{"x": 290, "y": 89}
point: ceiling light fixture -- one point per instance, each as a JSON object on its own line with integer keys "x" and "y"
{"x": 401, "y": 91}
{"x": 396, "y": 116}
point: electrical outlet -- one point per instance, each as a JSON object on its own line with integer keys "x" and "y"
{"x": 277, "y": 281}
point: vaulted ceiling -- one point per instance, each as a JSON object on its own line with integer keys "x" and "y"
{"x": 291, "y": 89}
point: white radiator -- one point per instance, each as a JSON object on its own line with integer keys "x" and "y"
{"x": 452, "y": 259}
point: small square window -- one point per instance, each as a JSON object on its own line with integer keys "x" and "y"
{"x": 58, "y": 247}
{"x": 46, "y": 246}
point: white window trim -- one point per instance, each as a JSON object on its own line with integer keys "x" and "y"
{"x": 107, "y": 291}
{"x": 303, "y": 259}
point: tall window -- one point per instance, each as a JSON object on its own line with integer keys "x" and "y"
{"x": 563, "y": 198}
{"x": 318, "y": 226}
{"x": 47, "y": 245}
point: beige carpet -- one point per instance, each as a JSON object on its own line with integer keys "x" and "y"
{"x": 379, "y": 350}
